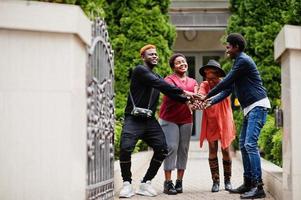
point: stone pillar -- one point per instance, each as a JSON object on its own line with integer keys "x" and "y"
{"x": 43, "y": 56}
{"x": 288, "y": 52}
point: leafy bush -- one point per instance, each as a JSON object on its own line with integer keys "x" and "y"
{"x": 270, "y": 141}
{"x": 277, "y": 148}
{"x": 238, "y": 120}
{"x": 92, "y": 8}
{"x": 118, "y": 127}
{"x": 265, "y": 140}
{"x": 132, "y": 24}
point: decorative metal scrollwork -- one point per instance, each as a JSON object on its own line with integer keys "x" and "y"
{"x": 100, "y": 115}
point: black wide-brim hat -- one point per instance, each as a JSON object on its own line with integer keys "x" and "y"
{"x": 213, "y": 65}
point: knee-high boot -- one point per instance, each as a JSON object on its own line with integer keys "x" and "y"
{"x": 227, "y": 165}
{"x": 213, "y": 163}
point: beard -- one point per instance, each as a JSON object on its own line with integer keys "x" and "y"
{"x": 152, "y": 63}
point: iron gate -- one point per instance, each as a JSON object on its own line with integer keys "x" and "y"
{"x": 100, "y": 130}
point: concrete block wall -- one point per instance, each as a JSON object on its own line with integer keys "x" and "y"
{"x": 42, "y": 101}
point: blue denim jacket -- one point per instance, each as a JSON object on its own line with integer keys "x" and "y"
{"x": 245, "y": 79}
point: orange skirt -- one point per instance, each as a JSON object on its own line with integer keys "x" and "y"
{"x": 218, "y": 123}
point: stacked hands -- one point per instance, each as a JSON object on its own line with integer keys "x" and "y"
{"x": 197, "y": 101}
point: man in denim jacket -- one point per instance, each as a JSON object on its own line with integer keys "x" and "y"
{"x": 247, "y": 83}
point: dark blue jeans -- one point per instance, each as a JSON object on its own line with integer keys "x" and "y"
{"x": 252, "y": 125}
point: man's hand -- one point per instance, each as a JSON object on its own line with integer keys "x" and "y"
{"x": 199, "y": 97}
{"x": 188, "y": 94}
{"x": 206, "y": 104}
{"x": 201, "y": 105}
{"x": 192, "y": 95}
{"x": 196, "y": 101}
{"x": 194, "y": 104}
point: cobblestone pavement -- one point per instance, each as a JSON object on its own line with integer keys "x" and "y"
{"x": 197, "y": 179}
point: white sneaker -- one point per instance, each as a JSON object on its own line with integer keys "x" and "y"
{"x": 146, "y": 189}
{"x": 127, "y": 190}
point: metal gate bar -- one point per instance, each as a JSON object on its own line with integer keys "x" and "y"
{"x": 100, "y": 111}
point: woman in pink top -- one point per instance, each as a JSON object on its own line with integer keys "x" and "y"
{"x": 176, "y": 122}
{"x": 217, "y": 124}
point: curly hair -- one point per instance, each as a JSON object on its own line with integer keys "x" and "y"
{"x": 173, "y": 57}
{"x": 236, "y": 39}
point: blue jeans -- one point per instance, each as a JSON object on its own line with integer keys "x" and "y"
{"x": 252, "y": 125}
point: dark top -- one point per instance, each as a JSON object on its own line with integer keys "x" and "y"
{"x": 143, "y": 80}
{"x": 246, "y": 80}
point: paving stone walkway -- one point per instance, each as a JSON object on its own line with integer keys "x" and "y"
{"x": 197, "y": 179}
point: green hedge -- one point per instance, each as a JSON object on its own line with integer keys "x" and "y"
{"x": 92, "y": 8}
{"x": 131, "y": 25}
{"x": 270, "y": 140}
{"x": 238, "y": 120}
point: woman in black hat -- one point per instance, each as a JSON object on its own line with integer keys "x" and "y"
{"x": 217, "y": 123}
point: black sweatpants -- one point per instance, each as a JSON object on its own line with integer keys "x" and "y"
{"x": 150, "y": 131}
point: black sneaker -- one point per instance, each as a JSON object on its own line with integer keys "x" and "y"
{"x": 179, "y": 186}
{"x": 169, "y": 188}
